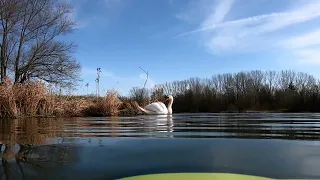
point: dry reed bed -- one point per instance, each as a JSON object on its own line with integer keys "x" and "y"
{"x": 34, "y": 99}
{"x": 27, "y": 99}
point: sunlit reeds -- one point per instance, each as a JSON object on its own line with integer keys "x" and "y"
{"x": 34, "y": 99}
{"x": 8, "y": 108}
{"x": 29, "y": 99}
{"x": 111, "y": 103}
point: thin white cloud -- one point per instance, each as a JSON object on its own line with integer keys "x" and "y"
{"x": 306, "y": 47}
{"x": 309, "y": 56}
{"x": 81, "y": 22}
{"x": 106, "y": 9}
{"x": 195, "y": 11}
{"x": 233, "y": 23}
{"x": 301, "y": 41}
{"x": 282, "y": 20}
{"x": 261, "y": 23}
{"x": 261, "y": 31}
{"x": 218, "y": 13}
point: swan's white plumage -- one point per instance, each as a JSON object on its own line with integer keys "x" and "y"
{"x": 158, "y": 108}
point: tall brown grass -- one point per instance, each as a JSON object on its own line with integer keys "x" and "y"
{"x": 128, "y": 108}
{"x": 34, "y": 99}
{"x": 68, "y": 106}
{"x": 112, "y": 103}
{"x": 29, "y": 99}
{"x": 8, "y": 106}
{"x": 105, "y": 106}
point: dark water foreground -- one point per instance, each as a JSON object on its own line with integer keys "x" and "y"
{"x": 270, "y": 145}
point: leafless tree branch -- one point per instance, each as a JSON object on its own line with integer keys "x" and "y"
{"x": 146, "y": 72}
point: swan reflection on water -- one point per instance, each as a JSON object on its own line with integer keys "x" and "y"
{"x": 158, "y": 125}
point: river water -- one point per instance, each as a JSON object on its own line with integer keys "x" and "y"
{"x": 272, "y": 145}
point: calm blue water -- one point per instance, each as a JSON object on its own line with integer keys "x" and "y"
{"x": 270, "y": 145}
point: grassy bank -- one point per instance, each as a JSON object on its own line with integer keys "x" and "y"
{"x": 35, "y": 99}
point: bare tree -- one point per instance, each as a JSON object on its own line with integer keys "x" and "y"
{"x": 144, "y": 86}
{"x": 8, "y": 19}
{"x": 35, "y": 52}
{"x": 270, "y": 80}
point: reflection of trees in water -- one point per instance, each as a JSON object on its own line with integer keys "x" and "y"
{"x": 21, "y": 161}
{"x": 275, "y": 127}
{"x": 30, "y": 131}
{"x": 20, "y": 152}
{"x": 250, "y": 126}
{"x": 96, "y": 127}
{"x": 9, "y": 155}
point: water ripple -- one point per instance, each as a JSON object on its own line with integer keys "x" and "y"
{"x": 247, "y": 125}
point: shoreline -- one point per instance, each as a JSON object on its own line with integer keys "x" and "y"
{"x": 139, "y": 114}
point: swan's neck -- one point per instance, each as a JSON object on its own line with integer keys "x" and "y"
{"x": 170, "y": 106}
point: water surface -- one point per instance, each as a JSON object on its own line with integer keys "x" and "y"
{"x": 263, "y": 144}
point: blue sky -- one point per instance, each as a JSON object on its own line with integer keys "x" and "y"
{"x": 178, "y": 39}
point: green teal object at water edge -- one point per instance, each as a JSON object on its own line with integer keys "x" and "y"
{"x": 196, "y": 176}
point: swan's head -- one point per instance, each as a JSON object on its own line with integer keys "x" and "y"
{"x": 170, "y": 98}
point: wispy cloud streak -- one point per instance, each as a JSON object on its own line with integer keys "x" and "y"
{"x": 306, "y": 47}
{"x": 218, "y": 13}
{"x": 302, "y": 41}
{"x": 258, "y": 32}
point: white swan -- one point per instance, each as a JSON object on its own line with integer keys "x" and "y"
{"x": 158, "y": 107}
